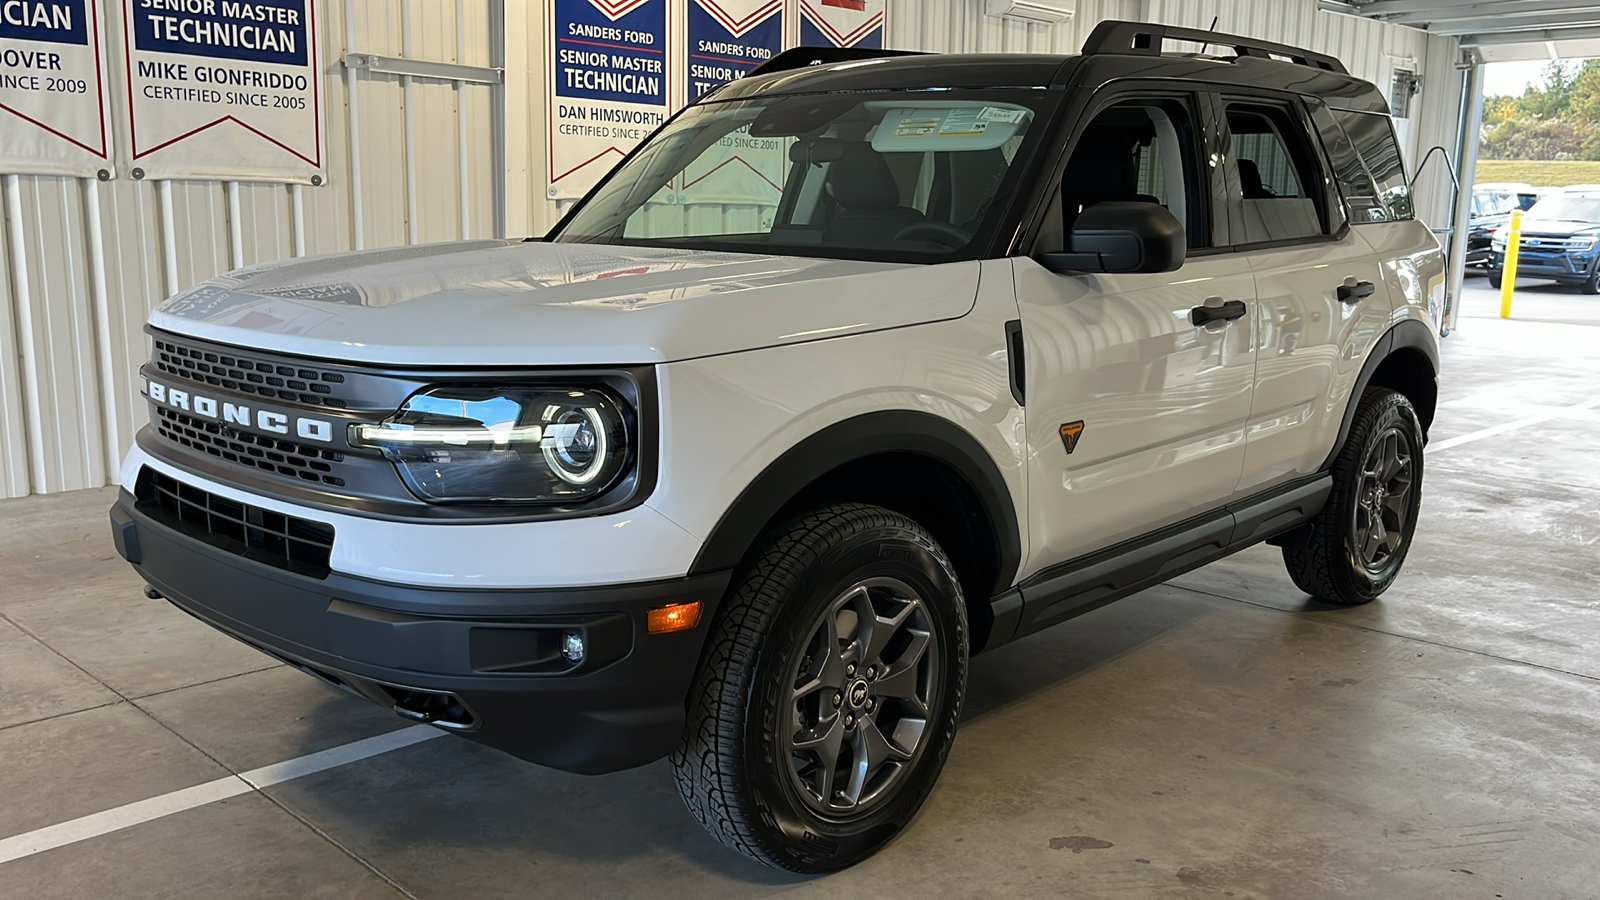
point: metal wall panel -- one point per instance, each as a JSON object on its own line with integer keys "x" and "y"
{"x": 82, "y": 262}
{"x": 960, "y": 26}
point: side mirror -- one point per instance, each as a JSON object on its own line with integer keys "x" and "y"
{"x": 1118, "y": 236}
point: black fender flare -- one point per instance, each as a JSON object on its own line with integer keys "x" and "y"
{"x": 859, "y": 437}
{"x": 1410, "y": 334}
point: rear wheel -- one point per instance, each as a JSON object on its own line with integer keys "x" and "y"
{"x": 1495, "y": 279}
{"x": 828, "y": 699}
{"x": 1353, "y": 550}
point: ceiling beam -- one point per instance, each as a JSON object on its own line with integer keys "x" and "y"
{"x": 1498, "y": 24}
{"x": 1531, "y": 37}
{"x": 1407, "y": 12}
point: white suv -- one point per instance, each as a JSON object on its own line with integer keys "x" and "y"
{"x": 859, "y": 366}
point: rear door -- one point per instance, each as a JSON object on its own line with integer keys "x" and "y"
{"x": 1135, "y": 415}
{"x": 1321, "y": 299}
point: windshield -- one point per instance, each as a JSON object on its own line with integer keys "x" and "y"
{"x": 1492, "y": 203}
{"x": 1570, "y": 209}
{"x": 856, "y": 176}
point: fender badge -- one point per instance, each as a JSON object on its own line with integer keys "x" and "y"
{"x": 1070, "y": 433}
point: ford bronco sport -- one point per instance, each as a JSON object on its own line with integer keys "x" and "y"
{"x": 860, "y": 365}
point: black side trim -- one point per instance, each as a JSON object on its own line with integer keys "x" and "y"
{"x": 1087, "y": 583}
{"x": 891, "y": 431}
{"x": 1410, "y": 334}
{"x": 1014, "y": 350}
{"x": 1267, "y": 515}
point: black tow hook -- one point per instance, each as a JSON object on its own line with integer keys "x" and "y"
{"x": 152, "y": 593}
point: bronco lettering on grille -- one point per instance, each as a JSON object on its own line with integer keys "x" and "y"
{"x": 220, "y": 410}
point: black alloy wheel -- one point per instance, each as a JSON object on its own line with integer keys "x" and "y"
{"x": 1383, "y": 504}
{"x": 829, "y": 691}
{"x": 861, "y": 694}
{"x": 1353, "y": 549}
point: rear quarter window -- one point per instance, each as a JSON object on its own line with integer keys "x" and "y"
{"x": 1372, "y": 135}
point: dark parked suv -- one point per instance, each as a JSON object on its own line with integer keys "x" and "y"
{"x": 1560, "y": 242}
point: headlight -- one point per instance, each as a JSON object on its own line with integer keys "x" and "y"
{"x": 502, "y": 444}
{"x": 1581, "y": 243}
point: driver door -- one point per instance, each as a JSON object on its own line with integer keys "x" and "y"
{"x": 1135, "y": 415}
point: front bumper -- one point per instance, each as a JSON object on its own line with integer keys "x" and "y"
{"x": 1569, "y": 268}
{"x": 491, "y": 656}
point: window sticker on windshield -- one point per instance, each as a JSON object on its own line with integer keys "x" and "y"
{"x": 916, "y": 126}
{"x": 998, "y": 114}
{"x": 962, "y": 121}
{"x": 943, "y": 128}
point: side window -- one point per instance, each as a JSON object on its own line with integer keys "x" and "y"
{"x": 1373, "y": 136}
{"x": 1140, "y": 149}
{"x": 1355, "y": 182}
{"x": 1279, "y": 174}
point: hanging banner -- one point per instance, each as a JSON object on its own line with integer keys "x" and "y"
{"x": 842, "y": 23}
{"x": 608, "y": 86}
{"x": 52, "y": 89}
{"x": 224, "y": 90}
{"x": 728, "y": 38}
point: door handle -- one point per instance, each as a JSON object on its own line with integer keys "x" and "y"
{"x": 1353, "y": 290}
{"x": 1216, "y": 311}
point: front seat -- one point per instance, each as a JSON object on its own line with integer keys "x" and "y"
{"x": 869, "y": 199}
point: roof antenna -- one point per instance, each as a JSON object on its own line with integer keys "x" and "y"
{"x": 1214, "y": 20}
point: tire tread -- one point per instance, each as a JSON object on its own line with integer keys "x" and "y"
{"x": 1314, "y": 560}
{"x": 709, "y": 763}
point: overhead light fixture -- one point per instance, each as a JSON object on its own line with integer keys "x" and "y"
{"x": 1044, "y": 11}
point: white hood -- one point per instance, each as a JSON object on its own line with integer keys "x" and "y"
{"x": 515, "y": 303}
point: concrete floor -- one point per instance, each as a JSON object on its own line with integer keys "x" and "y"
{"x": 1217, "y": 737}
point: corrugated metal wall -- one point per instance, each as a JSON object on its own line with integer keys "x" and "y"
{"x": 82, "y": 262}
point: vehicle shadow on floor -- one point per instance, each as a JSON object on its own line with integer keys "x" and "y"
{"x": 1072, "y": 649}
{"x": 449, "y": 799}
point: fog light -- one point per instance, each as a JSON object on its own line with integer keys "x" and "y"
{"x": 676, "y": 617}
{"x": 572, "y": 646}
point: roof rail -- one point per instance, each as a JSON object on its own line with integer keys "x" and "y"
{"x": 801, "y": 57}
{"x": 1145, "y": 38}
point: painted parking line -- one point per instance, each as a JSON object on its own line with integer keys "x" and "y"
{"x": 1506, "y": 427}
{"x": 96, "y": 824}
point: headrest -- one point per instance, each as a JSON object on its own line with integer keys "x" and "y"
{"x": 860, "y": 179}
{"x": 1101, "y": 169}
{"x": 1250, "y": 180}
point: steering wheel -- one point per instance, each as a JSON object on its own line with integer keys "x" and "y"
{"x": 936, "y": 232}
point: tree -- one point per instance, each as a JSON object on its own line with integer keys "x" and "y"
{"x": 1557, "y": 118}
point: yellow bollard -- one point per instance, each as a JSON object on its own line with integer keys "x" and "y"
{"x": 1508, "y": 275}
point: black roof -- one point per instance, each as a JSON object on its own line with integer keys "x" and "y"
{"x": 1115, "y": 50}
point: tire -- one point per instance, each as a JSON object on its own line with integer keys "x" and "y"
{"x": 1495, "y": 279}
{"x": 1347, "y": 555}
{"x": 1591, "y": 285}
{"x": 744, "y": 766}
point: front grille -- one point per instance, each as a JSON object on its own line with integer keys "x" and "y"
{"x": 267, "y": 454}
{"x": 229, "y": 370}
{"x": 286, "y": 542}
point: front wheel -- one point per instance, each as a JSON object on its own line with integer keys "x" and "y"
{"x": 1353, "y": 550}
{"x": 1495, "y": 279}
{"x": 1591, "y": 285}
{"x": 828, "y": 698}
